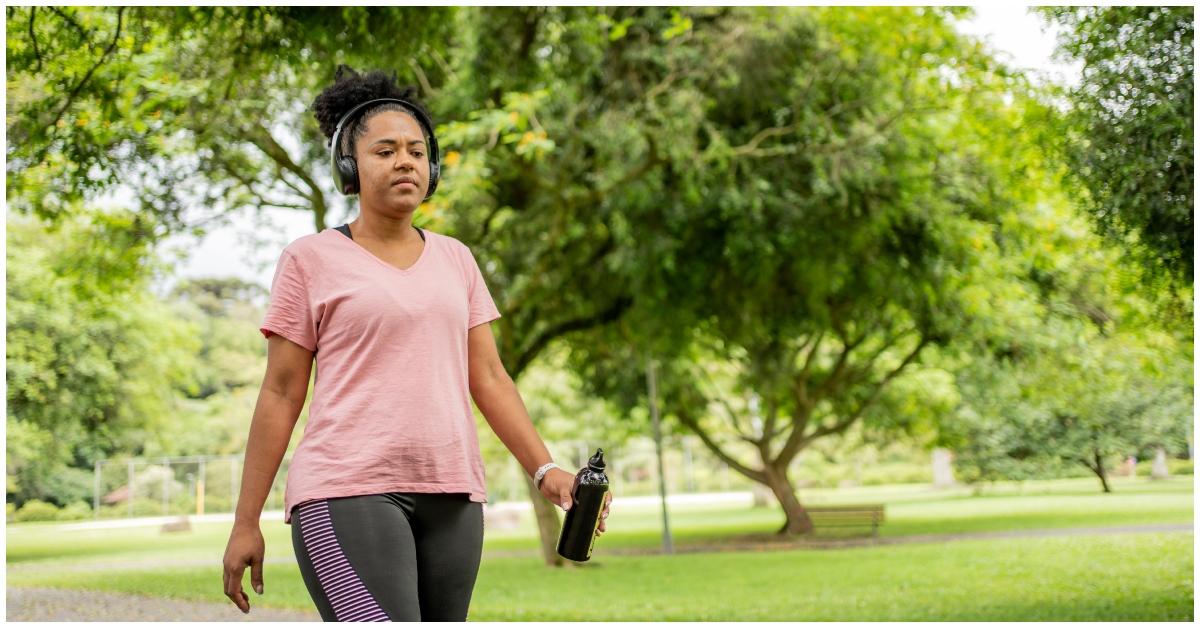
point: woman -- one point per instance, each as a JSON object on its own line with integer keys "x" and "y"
{"x": 385, "y": 491}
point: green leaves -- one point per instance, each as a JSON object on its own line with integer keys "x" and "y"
{"x": 1131, "y": 126}
{"x": 92, "y": 357}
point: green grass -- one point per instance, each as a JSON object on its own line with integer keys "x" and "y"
{"x": 1104, "y": 577}
{"x": 1132, "y": 577}
{"x": 911, "y": 510}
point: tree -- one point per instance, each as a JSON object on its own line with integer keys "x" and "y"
{"x": 1086, "y": 374}
{"x": 1089, "y": 401}
{"x": 198, "y": 111}
{"x": 93, "y": 361}
{"x": 838, "y": 219}
{"x": 1130, "y": 141}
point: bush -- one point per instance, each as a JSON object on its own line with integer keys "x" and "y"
{"x": 10, "y": 509}
{"x": 1175, "y": 466}
{"x": 75, "y": 511}
{"x": 37, "y": 510}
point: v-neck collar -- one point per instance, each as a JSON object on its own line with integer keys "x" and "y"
{"x": 403, "y": 271}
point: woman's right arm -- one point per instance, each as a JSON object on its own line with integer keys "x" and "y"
{"x": 280, "y": 399}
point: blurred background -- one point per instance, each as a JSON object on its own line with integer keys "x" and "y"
{"x": 857, "y": 279}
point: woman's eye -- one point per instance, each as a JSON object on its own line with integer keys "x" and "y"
{"x": 385, "y": 152}
{"x": 418, "y": 154}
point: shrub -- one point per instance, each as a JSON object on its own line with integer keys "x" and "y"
{"x": 75, "y": 511}
{"x": 37, "y": 510}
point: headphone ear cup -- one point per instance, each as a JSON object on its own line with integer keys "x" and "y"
{"x": 435, "y": 173}
{"x": 348, "y": 173}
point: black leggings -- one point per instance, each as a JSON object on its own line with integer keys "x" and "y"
{"x": 390, "y": 556}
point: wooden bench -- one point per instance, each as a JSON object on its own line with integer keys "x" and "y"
{"x": 861, "y": 515}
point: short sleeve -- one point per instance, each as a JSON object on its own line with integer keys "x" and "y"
{"x": 290, "y": 313}
{"x": 483, "y": 308}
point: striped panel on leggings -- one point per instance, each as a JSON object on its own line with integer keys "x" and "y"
{"x": 346, "y": 592}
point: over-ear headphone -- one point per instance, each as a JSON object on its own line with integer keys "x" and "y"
{"x": 345, "y": 168}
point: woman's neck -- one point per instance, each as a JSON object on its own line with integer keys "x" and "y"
{"x": 384, "y": 229}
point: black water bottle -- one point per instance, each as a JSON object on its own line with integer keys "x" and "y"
{"x": 587, "y": 500}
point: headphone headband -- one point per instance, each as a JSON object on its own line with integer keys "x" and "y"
{"x": 345, "y": 168}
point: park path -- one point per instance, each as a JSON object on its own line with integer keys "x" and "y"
{"x": 49, "y": 604}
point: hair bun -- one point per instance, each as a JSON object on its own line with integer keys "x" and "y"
{"x": 350, "y": 89}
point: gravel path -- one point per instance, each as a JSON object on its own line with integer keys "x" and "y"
{"x": 45, "y": 604}
{"x": 49, "y": 604}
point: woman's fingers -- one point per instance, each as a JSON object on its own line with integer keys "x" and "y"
{"x": 604, "y": 514}
{"x": 256, "y": 575}
{"x": 233, "y": 588}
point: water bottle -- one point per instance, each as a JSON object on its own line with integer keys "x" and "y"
{"x": 587, "y": 500}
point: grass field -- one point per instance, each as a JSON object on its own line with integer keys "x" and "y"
{"x": 1142, "y": 576}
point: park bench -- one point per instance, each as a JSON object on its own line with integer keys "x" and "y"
{"x": 861, "y": 515}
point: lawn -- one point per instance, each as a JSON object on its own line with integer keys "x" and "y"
{"x": 1142, "y": 576}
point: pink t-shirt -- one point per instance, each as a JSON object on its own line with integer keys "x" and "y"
{"x": 391, "y": 407}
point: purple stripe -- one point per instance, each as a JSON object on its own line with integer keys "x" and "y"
{"x": 346, "y": 592}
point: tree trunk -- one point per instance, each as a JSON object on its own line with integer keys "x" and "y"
{"x": 1099, "y": 471}
{"x": 798, "y": 521}
{"x": 546, "y": 517}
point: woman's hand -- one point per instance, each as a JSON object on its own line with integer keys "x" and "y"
{"x": 556, "y": 487}
{"x": 246, "y": 547}
{"x": 604, "y": 513}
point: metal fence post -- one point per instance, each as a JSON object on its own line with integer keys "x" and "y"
{"x": 96, "y": 491}
{"x": 130, "y": 486}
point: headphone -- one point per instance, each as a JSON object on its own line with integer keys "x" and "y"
{"x": 345, "y": 168}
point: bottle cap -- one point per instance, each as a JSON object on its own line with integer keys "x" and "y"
{"x": 596, "y": 462}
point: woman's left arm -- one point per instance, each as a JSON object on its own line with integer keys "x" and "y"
{"x": 498, "y": 399}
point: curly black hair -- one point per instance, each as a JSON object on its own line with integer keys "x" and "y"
{"x": 351, "y": 89}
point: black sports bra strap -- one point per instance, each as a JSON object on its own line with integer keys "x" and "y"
{"x": 345, "y": 229}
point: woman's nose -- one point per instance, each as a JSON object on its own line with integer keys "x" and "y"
{"x": 404, "y": 162}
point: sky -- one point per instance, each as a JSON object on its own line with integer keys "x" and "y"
{"x": 250, "y": 246}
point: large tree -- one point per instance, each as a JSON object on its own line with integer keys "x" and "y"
{"x": 839, "y": 219}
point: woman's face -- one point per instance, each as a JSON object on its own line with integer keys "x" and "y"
{"x": 393, "y": 163}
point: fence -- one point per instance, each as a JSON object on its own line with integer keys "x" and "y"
{"x": 139, "y": 487}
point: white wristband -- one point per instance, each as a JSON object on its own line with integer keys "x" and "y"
{"x": 541, "y": 473}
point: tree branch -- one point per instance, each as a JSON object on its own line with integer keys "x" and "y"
{"x": 797, "y": 439}
{"x": 236, "y": 174}
{"x": 752, "y": 146}
{"x": 734, "y": 421}
{"x": 800, "y": 389}
{"x": 258, "y": 135}
{"x": 75, "y": 91}
{"x": 834, "y": 380}
{"x": 421, "y": 78}
{"x": 87, "y": 37}
{"x": 612, "y": 313}
{"x": 33, "y": 39}
{"x": 688, "y": 420}
{"x": 878, "y": 389}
